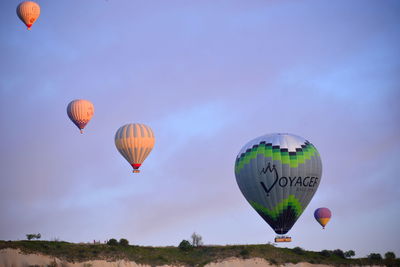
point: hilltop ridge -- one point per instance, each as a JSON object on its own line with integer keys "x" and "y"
{"x": 63, "y": 254}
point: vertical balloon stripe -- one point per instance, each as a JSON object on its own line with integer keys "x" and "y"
{"x": 150, "y": 132}
{"x": 293, "y": 202}
{"x": 119, "y": 133}
{"x": 133, "y": 128}
{"x": 285, "y": 156}
{"x": 141, "y": 143}
{"x": 276, "y": 153}
{"x": 78, "y": 111}
{"x": 268, "y": 150}
{"x": 127, "y": 131}
{"x": 138, "y": 131}
{"x": 143, "y": 131}
{"x": 287, "y": 194}
{"x": 132, "y": 143}
{"x": 294, "y": 172}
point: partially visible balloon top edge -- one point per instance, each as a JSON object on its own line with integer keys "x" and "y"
{"x": 283, "y": 140}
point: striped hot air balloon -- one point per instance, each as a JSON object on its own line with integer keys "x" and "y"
{"x": 134, "y": 141}
{"x": 322, "y": 215}
{"x": 278, "y": 174}
{"x": 80, "y": 112}
{"x": 28, "y": 12}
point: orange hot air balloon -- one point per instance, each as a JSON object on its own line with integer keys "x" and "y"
{"x": 80, "y": 112}
{"x": 28, "y": 12}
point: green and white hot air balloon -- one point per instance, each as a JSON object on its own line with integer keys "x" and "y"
{"x": 278, "y": 174}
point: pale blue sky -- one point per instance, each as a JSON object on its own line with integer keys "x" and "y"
{"x": 207, "y": 76}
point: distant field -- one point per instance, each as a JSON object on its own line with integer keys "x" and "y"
{"x": 197, "y": 256}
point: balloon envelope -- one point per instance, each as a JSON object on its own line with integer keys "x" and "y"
{"x": 278, "y": 174}
{"x": 322, "y": 215}
{"x": 80, "y": 112}
{"x": 134, "y": 141}
{"x": 28, "y": 12}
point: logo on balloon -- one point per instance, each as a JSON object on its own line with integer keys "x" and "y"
{"x": 265, "y": 171}
{"x": 302, "y": 184}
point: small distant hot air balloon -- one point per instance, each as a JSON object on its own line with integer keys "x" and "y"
{"x": 28, "y": 12}
{"x": 80, "y": 112}
{"x": 278, "y": 174}
{"x": 134, "y": 141}
{"x": 322, "y": 215}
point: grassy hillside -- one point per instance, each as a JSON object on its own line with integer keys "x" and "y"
{"x": 198, "y": 256}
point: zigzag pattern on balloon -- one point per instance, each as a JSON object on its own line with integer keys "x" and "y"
{"x": 283, "y": 216}
{"x": 280, "y": 207}
{"x": 303, "y": 153}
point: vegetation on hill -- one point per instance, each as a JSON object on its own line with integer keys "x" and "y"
{"x": 186, "y": 254}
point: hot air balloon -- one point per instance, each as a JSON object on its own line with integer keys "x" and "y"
{"x": 28, "y": 12}
{"x": 80, "y": 112}
{"x": 278, "y": 174}
{"x": 134, "y": 141}
{"x": 322, "y": 215}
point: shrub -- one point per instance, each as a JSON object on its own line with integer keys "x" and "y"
{"x": 374, "y": 256}
{"x": 33, "y": 236}
{"x": 185, "y": 245}
{"x": 349, "y": 254}
{"x": 325, "y": 253}
{"x": 339, "y": 253}
{"x": 298, "y": 250}
{"x": 244, "y": 253}
{"x": 112, "y": 242}
{"x": 124, "y": 242}
{"x": 390, "y": 255}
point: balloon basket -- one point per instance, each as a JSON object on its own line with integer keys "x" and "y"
{"x": 135, "y": 171}
{"x": 280, "y": 239}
